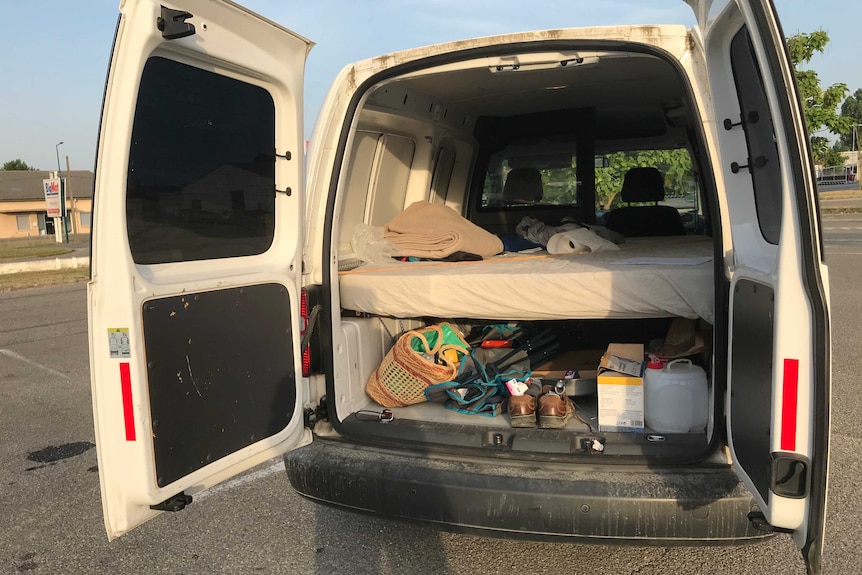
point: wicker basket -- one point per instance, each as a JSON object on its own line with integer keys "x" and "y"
{"x": 404, "y": 373}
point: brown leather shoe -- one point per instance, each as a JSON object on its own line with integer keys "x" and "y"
{"x": 522, "y": 410}
{"x": 555, "y": 409}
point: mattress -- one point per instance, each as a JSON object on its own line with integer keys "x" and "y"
{"x": 645, "y": 278}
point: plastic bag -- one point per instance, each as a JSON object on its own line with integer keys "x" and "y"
{"x": 369, "y": 245}
{"x": 539, "y": 233}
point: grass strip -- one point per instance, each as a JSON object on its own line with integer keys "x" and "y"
{"x": 24, "y": 280}
{"x": 10, "y": 251}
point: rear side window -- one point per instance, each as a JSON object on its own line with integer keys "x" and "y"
{"x": 762, "y": 161}
{"x": 681, "y": 189}
{"x": 201, "y": 180}
{"x": 525, "y": 180}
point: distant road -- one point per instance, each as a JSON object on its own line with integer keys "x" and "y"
{"x": 838, "y": 187}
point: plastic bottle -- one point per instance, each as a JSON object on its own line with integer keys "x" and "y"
{"x": 676, "y": 398}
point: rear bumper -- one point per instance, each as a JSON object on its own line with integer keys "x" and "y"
{"x": 600, "y": 504}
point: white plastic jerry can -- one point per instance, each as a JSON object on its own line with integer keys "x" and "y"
{"x": 676, "y": 399}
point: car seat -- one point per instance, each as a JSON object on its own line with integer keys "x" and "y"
{"x": 644, "y": 185}
{"x": 523, "y": 187}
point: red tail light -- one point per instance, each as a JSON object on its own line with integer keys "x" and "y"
{"x": 309, "y": 310}
{"x": 304, "y": 311}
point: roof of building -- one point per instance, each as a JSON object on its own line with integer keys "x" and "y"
{"x": 19, "y": 185}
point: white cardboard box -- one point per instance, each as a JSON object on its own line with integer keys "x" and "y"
{"x": 621, "y": 395}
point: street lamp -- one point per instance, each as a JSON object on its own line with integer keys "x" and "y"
{"x": 57, "y": 150}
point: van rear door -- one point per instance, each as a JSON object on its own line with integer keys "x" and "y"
{"x": 779, "y": 348}
{"x": 194, "y": 301}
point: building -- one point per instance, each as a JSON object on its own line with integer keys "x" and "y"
{"x": 22, "y": 203}
{"x": 851, "y": 163}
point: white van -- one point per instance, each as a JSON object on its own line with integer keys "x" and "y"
{"x": 233, "y": 318}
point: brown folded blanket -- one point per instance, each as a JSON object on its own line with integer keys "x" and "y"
{"x": 435, "y": 231}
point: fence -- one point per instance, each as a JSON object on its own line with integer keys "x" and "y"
{"x": 835, "y": 175}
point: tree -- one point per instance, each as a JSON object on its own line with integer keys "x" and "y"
{"x": 18, "y": 165}
{"x": 819, "y": 105}
{"x": 675, "y": 165}
{"x": 832, "y": 157}
{"x": 851, "y": 108}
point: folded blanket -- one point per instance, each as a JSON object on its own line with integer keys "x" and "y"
{"x": 435, "y": 231}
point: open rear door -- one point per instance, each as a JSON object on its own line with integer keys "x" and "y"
{"x": 194, "y": 299}
{"x": 779, "y": 348}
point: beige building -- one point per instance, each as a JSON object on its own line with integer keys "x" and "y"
{"x": 22, "y": 203}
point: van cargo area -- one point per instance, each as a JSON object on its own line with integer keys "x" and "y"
{"x": 530, "y": 135}
{"x": 584, "y": 341}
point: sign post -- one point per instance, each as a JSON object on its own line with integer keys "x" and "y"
{"x": 54, "y": 204}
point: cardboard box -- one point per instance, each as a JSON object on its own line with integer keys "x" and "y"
{"x": 620, "y": 388}
{"x": 569, "y": 364}
{"x": 577, "y": 368}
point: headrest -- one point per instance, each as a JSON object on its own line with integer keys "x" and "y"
{"x": 643, "y": 185}
{"x": 523, "y": 185}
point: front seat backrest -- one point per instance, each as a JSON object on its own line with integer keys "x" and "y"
{"x": 644, "y": 185}
{"x": 523, "y": 186}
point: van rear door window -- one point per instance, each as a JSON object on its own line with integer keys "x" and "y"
{"x": 201, "y": 179}
{"x": 763, "y": 160}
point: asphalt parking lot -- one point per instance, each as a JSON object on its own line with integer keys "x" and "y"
{"x": 51, "y": 520}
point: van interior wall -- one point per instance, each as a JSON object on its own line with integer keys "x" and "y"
{"x": 412, "y": 143}
{"x": 404, "y": 138}
{"x": 392, "y": 163}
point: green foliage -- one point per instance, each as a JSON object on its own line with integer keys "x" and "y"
{"x": 819, "y": 105}
{"x": 851, "y": 108}
{"x": 560, "y": 185}
{"x": 17, "y": 165}
{"x": 831, "y": 157}
{"x": 676, "y": 166}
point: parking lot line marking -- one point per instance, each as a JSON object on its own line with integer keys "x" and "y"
{"x": 13, "y": 355}
{"x": 276, "y": 467}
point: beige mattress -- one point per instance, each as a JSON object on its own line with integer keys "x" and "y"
{"x": 647, "y": 277}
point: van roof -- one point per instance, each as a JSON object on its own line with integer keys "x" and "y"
{"x": 670, "y": 37}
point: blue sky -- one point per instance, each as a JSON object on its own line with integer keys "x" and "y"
{"x": 55, "y": 53}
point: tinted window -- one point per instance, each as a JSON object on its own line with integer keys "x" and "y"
{"x": 681, "y": 189}
{"x": 201, "y": 181}
{"x": 537, "y": 177}
{"x": 762, "y": 158}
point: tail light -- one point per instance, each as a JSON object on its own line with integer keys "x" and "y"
{"x": 305, "y": 312}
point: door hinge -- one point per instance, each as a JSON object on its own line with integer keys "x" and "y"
{"x": 176, "y": 503}
{"x": 319, "y": 413}
{"x": 752, "y": 118}
{"x": 759, "y": 162}
{"x": 172, "y": 24}
{"x": 759, "y": 522}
